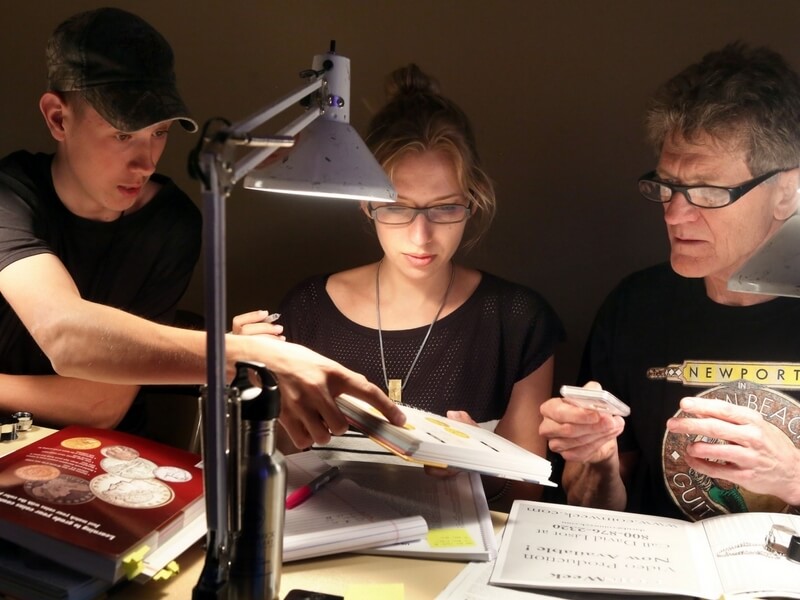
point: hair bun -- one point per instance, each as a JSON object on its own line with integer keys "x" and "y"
{"x": 410, "y": 80}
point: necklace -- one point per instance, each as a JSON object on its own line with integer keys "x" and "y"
{"x": 395, "y": 387}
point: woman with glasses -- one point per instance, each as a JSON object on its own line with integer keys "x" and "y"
{"x": 433, "y": 333}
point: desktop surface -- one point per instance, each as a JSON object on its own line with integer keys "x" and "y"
{"x": 422, "y": 579}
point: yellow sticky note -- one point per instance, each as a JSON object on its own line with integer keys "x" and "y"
{"x": 133, "y": 563}
{"x": 449, "y": 538}
{"x": 370, "y": 591}
{"x": 171, "y": 569}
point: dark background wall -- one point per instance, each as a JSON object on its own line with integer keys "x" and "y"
{"x": 556, "y": 92}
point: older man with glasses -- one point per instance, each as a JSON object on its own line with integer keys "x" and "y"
{"x": 712, "y": 375}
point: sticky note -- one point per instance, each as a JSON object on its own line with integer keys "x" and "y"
{"x": 370, "y": 591}
{"x": 133, "y": 563}
{"x": 171, "y": 569}
{"x": 450, "y": 538}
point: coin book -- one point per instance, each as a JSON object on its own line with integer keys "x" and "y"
{"x": 98, "y": 501}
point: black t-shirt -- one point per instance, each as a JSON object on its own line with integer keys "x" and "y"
{"x": 471, "y": 361}
{"x": 140, "y": 263}
{"x": 658, "y": 338}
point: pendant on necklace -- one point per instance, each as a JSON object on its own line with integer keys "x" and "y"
{"x": 396, "y": 390}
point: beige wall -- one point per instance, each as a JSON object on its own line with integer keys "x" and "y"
{"x": 555, "y": 89}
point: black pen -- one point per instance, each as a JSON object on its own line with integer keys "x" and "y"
{"x": 301, "y": 494}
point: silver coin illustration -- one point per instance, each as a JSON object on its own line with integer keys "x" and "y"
{"x": 138, "y": 468}
{"x": 120, "y": 452}
{"x": 131, "y": 493}
{"x": 173, "y": 474}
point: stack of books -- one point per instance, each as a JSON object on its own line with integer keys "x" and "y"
{"x": 102, "y": 505}
{"x": 83, "y": 509}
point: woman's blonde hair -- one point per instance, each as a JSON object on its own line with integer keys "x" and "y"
{"x": 417, "y": 118}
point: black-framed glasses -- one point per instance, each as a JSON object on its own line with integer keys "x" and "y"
{"x": 704, "y": 196}
{"x": 397, "y": 214}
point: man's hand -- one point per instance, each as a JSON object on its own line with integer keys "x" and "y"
{"x": 579, "y": 434}
{"x": 757, "y": 456}
{"x": 308, "y": 383}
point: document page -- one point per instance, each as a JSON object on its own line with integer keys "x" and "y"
{"x": 566, "y": 547}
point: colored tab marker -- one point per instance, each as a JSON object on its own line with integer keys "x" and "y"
{"x": 133, "y": 564}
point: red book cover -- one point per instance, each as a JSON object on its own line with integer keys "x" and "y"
{"x": 88, "y": 498}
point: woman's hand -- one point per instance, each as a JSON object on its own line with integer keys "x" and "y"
{"x": 258, "y": 322}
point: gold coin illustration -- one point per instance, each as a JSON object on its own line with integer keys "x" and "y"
{"x": 81, "y": 443}
{"x": 456, "y": 432}
{"x": 37, "y": 472}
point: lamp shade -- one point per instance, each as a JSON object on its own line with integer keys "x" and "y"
{"x": 774, "y": 269}
{"x": 330, "y": 160}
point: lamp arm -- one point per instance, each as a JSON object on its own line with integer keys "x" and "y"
{"x": 283, "y": 139}
{"x": 214, "y": 163}
{"x": 248, "y": 124}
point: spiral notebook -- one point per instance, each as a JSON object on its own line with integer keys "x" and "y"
{"x": 459, "y": 522}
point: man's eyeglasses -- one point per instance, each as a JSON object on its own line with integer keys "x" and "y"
{"x": 704, "y": 196}
{"x": 395, "y": 214}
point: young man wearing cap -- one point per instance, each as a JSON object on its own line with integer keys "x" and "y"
{"x": 96, "y": 249}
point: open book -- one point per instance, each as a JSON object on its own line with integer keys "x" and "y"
{"x": 459, "y": 522}
{"x": 472, "y": 583}
{"x": 98, "y": 501}
{"x": 441, "y": 442}
{"x": 341, "y": 517}
{"x": 555, "y": 547}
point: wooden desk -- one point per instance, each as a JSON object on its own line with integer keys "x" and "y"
{"x": 422, "y": 579}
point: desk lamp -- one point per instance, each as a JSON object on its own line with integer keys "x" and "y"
{"x": 329, "y": 160}
{"x": 775, "y": 268}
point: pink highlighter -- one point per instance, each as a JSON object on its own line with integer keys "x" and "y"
{"x": 301, "y": 494}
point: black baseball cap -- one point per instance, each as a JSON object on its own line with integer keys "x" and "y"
{"x": 120, "y": 65}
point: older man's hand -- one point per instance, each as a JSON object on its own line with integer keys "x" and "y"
{"x": 757, "y": 455}
{"x": 580, "y": 434}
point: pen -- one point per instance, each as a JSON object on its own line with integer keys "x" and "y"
{"x": 301, "y": 494}
{"x": 272, "y": 318}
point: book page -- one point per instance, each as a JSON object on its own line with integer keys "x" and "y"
{"x": 556, "y": 546}
{"x": 455, "y": 508}
{"x": 472, "y": 583}
{"x": 744, "y": 563}
{"x": 341, "y": 517}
